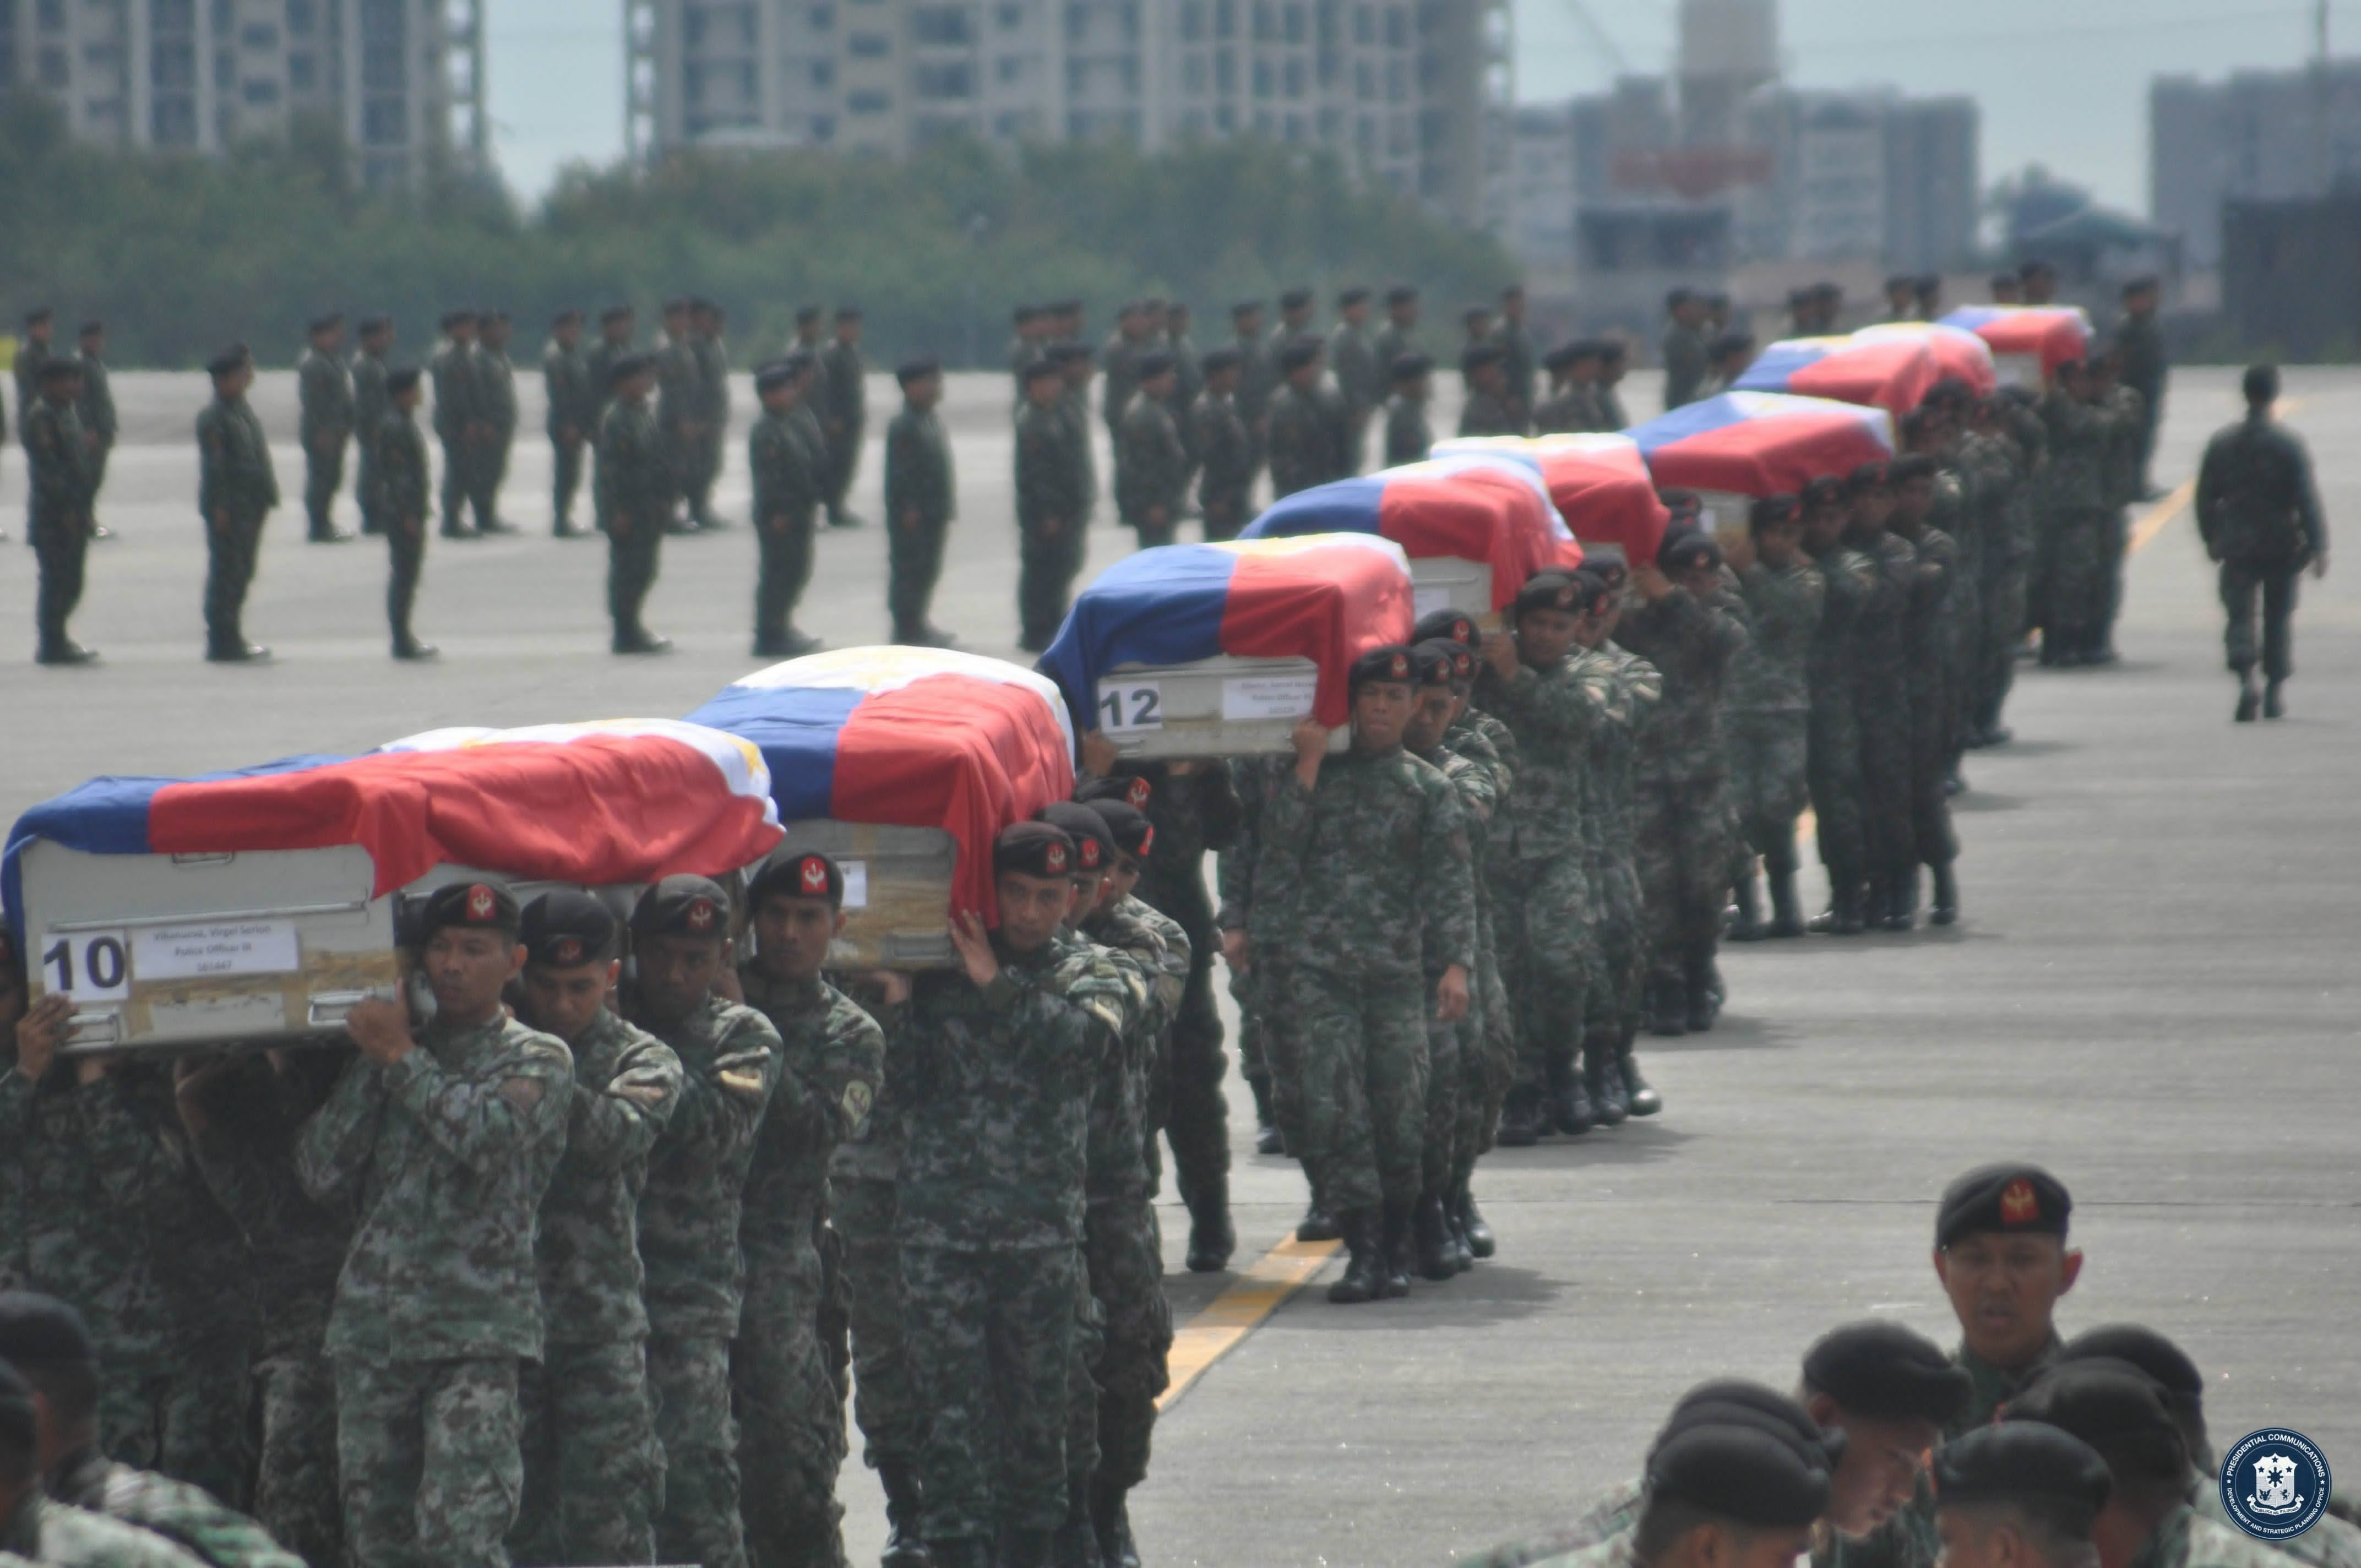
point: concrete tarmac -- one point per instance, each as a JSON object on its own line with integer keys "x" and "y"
{"x": 2152, "y": 992}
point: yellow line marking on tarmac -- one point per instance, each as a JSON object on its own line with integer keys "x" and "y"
{"x": 1237, "y": 1312}
{"x": 2161, "y": 516}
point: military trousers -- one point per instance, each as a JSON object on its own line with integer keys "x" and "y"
{"x": 1886, "y": 742}
{"x": 324, "y": 476}
{"x": 295, "y": 1491}
{"x": 61, "y": 550}
{"x": 1832, "y": 759}
{"x": 634, "y": 554}
{"x": 708, "y": 468}
{"x": 1123, "y": 1261}
{"x": 991, "y": 1340}
{"x": 914, "y": 563}
{"x": 1046, "y": 565}
{"x": 205, "y": 1435}
{"x": 689, "y": 1381}
{"x": 100, "y": 454}
{"x": 786, "y": 566}
{"x": 1151, "y": 534}
{"x": 1684, "y": 862}
{"x": 1195, "y": 1114}
{"x": 843, "y": 463}
{"x": 458, "y": 459}
{"x": 1770, "y": 779}
{"x": 1992, "y": 670}
{"x": 1446, "y": 1094}
{"x": 790, "y": 1413}
{"x": 566, "y": 481}
{"x": 1561, "y": 915}
{"x": 405, "y": 545}
{"x": 2078, "y": 585}
{"x": 231, "y": 550}
{"x": 1359, "y": 1087}
{"x": 486, "y": 471}
{"x": 1253, "y": 1053}
{"x": 2245, "y": 585}
{"x": 1487, "y": 1064}
{"x": 1934, "y": 726}
{"x": 1619, "y": 998}
{"x": 884, "y": 1406}
{"x": 428, "y": 1457}
{"x": 1224, "y": 513}
{"x": 594, "y": 1473}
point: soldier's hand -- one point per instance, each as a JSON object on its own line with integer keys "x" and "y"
{"x": 381, "y": 1029}
{"x": 1310, "y": 738}
{"x": 2319, "y": 564}
{"x": 1182, "y": 767}
{"x": 1237, "y": 950}
{"x": 1450, "y": 994}
{"x": 1499, "y": 651}
{"x": 1651, "y": 581}
{"x": 974, "y": 944}
{"x": 892, "y": 985}
{"x": 39, "y": 1033}
{"x": 1099, "y": 754}
{"x": 90, "y": 1070}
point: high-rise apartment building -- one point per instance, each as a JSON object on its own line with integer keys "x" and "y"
{"x": 2258, "y": 135}
{"x": 1395, "y": 87}
{"x": 402, "y": 78}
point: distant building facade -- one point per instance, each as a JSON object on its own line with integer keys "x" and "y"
{"x": 2261, "y": 136}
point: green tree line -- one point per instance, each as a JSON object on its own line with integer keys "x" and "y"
{"x": 182, "y": 255}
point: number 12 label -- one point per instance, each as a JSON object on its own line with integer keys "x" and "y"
{"x": 1130, "y": 708}
{"x": 89, "y": 966}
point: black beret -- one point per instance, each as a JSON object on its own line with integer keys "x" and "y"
{"x": 1478, "y": 354}
{"x": 2116, "y": 1409}
{"x": 1916, "y": 465}
{"x": 1948, "y": 391}
{"x": 614, "y": 313}
{"x": 1822, "y": 488}
{"x": 1033, "y": 849}
{"x": 1299, "y": 352}
{"x": 1295, "y": 300}
{"x": 2143, "y": 1347}
{"x": 2019, "y": 1462}
{"x": 1743, "y": 1453}
{"x": 1605, "y": 563}
{"x": 797, "y": 873}
{"x": 1445, "y": 626}
{"x": 1441, "y": 662}
{"x": 1826, "y": 289}
{"x": 372, "y": 326}
{"x": 699, "y": 302}
{"x": 41, "y": 1331}
{"x": 1220, "y": 359}
{"x": 1401, "y": 294}
{"x": 808, "y": 314}
{"x": 1411, "y": 367}
{"x": 2012, "y": 1199}
{"x": 565, "y": 317}
{"x": 1869, "y": 477}
{"x": 38, "y": 315}
{"x": 1886, "y": 1372}
{"x": 1356, "y": 295}
{"x": 1245, "y": 308}
{"x": 771, "y": 377}
{"x": 1681, "y": 503}
{"x": 1043, "y": 369}
{"x": 1770, "y": 511}
{"x": 629, "y": 365}
{"x": 918, "y": 369}
{"x": 401, "y": 380}
{"x": 1126, "y": 824}
{"x": 1094, "y": 844}
{"x": 1688, "y": 547}
{"x": 328, "y": 323}
{"x": 1583, "y": 349}
{"x": 566, "y": 929}
{"x": 228, "y": 363}
{"x": 1550, "y": 590}
{"x": 60, "y": 369}
{"x": 484, "y": 905}
{"x": 2142, "y": 284}
{"x": 1155, "y": 362}
{"x": 682, "y": 906}
{"x": 19, "y": 1421}
{"x": 1390, "y": 662}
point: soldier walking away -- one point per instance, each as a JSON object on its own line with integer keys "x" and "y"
{"x": 96, "y": 406}
{"x": 395, "y": 501}
{"x": 787, "y": 483}
{"x": 1152, "y": 471}
{"x": 369, "y": 370}
{"x": 847, "y": 411}
{"x": 565, "y": 378}
{"x": 1409, "y": 438}
{"x": 921, "y": 499}
{"x": 2259, "y": 513}
{"x": 58, "y": 494}
{"x": 496, "y": 421}
{"x": 452, "y": 371}
{"x": 236, "y": 491}
{"x": 633, "y": 493}
{"x": 324, "y": 389}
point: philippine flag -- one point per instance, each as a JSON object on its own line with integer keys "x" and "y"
{"x": 1890, "y": 373}
{"x": 1959, "y": 354}
{"x": 1469, "y": 508}
{"x": 1328, "y": 597}
{"x": 616, "y": 801}
{"x": 2046, "y": 336}
{"x": 909, "y": 738}
{"x": 1762, "y": 443}
{"x": 1597, "y": 480}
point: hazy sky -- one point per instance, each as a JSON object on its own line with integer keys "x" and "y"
{"x": 2062, "y": 81}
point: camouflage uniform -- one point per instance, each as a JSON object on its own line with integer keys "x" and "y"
{"x": 791, "y": 1411}
{"x": 680, "y": 410}
{"x": 1484, "y": 740}
{"x": 2125, "y": 482}
{"x": 1517, "y": 364}
{"x": 1458, "y": 1059}
{"x": 1612, "y": 1017}
{"x": 2075, "y": 602}
{"x": 689, "y": 1211}
{"x": 593, "y": 1470}
{"x": 2258, "y": 513}
{"x": 1300, "y": 440}
{"x": 236, "y": 492}
{"x": 1832, "y": 751}
{"x": 1930, "y": 643}
{"x": 918, "y": 479}
{"x": 573, "y": 403}
{"x": 1769, "y": 709}
{"x": 44, "y": 1531}
{"x": 1612, "y": 1516}
{"x": 847, "y": 415}
{"x": 393, "y": 498}
{"x": 788, "y": 490}
{"x": 1379, "y": 854}
{"x": 1683, "y": 779}
{"x": 633, "y": 496}
{"x": 991, "y": 1219}
{"x": 1486, "y": 414}
{"x": 1051, "y": 516}
{"x": 185, "y": 1515}
{"x": 1999, "y": 491}
{"x": 324, "y": 390}
{"x": 1409, "y": 438}
{"x": 447, "y": 1154}
{"x": 1682, "y": 349}
{"x": 1225, "y": 452}
{"x": 2140, "y": 342}
{"x": 1881, "y": 685}
{"x": 370, "y": 401}
{"x": 1258, "y": 379}
{"x": 1151, "y": 470}
{"x": 1360, "y": 382}
{"x": 99, "y": 421}
{"x": 451, "y": 369}
{"x": 1256, "y": 907}
{"x": 1119, "y": 359}
{"x": 58, "y": 491}
{"x": 496, "y": 410}
{"x": 2189, "y": 1540}
{"x": 712, "y": 357}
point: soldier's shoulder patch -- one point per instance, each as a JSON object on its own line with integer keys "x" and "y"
{"x": 858, "y": 1100}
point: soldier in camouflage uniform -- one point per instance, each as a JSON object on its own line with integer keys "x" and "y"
{"x": 1253, "y": 923}
{"x": 711, "y": 353}
{"x": 1691, "y": 629}
{"x": 991, "y": 1201}
{"x": 1400, "y": 334}
{"x": 1769, "y": 710}
{"x": 1151, "y": 475}
{"x": 1223, "y": 447}
{"x": 1931, "y": 653}
{"x": 571, "y": 417}
{"x": 1409, "y": 438}
{"x": 1517, "y": 356}
{"x": 1487, "y": 411}
{"x": 323, "y": 389}
{"x": 1881, "y": 680}
{"x": 1258, "y": 381}
{"x": 680, "y": 399}
{"x": 497, "y": 419}
{"x": 241, "y": 1114}
{"x": 2144, "y": 364}
{"x": 2123, "y": 485}
{"x": 369, "y": 370}
{"x": 452, "y": 368}
{"x": 1832, "y": 751}
{"x": 593, "y": 1469}
{"x": 633, "y": 495}
{"x": 236, "y": 490}
{"x": 921, "y": 499}
{"x": 1683, "y": 348}
{"x": 1028, "y": 341}
{"x": 445, "y": 1145}
{"x": 1119, "y": 359}
{"x": 58, "y": 491}
{"x": 1355, "y": 986}
{"x": 95, "y": 404}
{"x": 43, "y": 1339}
{"x": 1051, "y": 510}
{"x": 35, "y": 1527}
{"x": 2258, "y": 513}
{"x": 791, "y": 1412}
{"x": 2081, "y": 432}
{"x": 788, "y": 490}
{"x": 1300, "y": 435}
{"x": 1361, "y": 376}
{"x": 34, "y": 351}
{"x": 1189, "y": 366}
{"x": 847, "y": 411}
{"x": 394, "y": 498}
{"x": 618, "y": 325}
{"x": 690, "y": 1209}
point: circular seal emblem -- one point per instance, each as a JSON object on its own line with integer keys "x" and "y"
{"x": 2274, "y": 1484}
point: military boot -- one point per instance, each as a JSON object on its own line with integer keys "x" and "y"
{"x": 1316, "y": 1224}
{"x": 1747, "y": 927}
{"x": 1842, "y": 916}
{"x": 1604, "y": 1084}
{"x": 1521, "y": 1121}
{"x": 1364, "y": 1276}
{"x": 1463, "y": 1256}
{"x": 1473, "y": 1225}
{"x": 2273, "y": 707}
{"x": 1267, "y": 1136}
{"x": 1211, "y": 1238}
{"x": 1668, "y": 1007}
{"x": 1076, "y": 1545}
{"x": 1786, "y": 915}
{"x": 1570, "y": 1109}
{"x": 1700, "y": 993}
{"x": 1644, "y": 1101}
{"x": 1437, "y": 1257}
{"x": 1394, "y": 1253}
{"x": 1945, "y": 909}
{"x": 2250, "y": 702}
{"x": 1111, "y": 1519}
{"x": 903, "y": 1547}
{"x": 1902, "y": 900}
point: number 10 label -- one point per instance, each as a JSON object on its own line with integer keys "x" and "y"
{"x": 89, "y": 966}
{"x": 1129, "y": 707}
